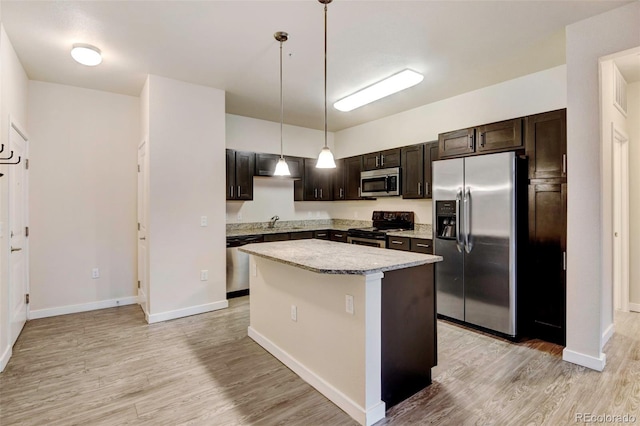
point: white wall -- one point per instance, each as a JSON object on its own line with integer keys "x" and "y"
{"x": 531, "y": 94}
{"x": 82, "y": 197}
{"x": 13, "y": 101}
{"x": 539, "y": 92}
{"x": 587, "y": 41}
{"x": 186, "y": 180}
{"x": 633, "y": 128}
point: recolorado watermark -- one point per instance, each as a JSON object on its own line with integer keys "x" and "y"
{"x": 605, "y": 418}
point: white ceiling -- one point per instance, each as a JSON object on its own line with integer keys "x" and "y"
{"x": 458, "y": 45}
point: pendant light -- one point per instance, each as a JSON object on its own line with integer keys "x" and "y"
{"x": 282, "y": 169}
{"x": 325, "y": 159}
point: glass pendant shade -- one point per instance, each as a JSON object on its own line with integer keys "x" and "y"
{"x": 282, "y": 169}
{"x": 325, "y": 159}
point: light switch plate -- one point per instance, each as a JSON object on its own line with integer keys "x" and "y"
{"x": 203, "y": 221}
{"x": 204, "y": 275}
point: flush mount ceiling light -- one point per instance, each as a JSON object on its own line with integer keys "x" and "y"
{"x": 282, "y": 169}
{"x": 388, "y": 86}
{"x": 325, "y": 158}
{"x": 86, "y": 54}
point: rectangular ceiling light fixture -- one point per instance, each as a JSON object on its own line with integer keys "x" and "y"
{"x": 388, "y": 86}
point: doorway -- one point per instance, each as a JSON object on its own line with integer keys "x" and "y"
{"x": 620, "y": 147}
{"x": 16, "y": 154}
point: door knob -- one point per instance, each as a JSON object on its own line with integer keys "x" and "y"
{"x": 143, "y": 238}
{"x": 15, "y": 249}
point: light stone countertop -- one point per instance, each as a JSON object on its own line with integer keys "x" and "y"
{"x": 329, "y": 257}
{"x": 282, "y": 229}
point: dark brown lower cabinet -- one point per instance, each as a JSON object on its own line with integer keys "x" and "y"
{"x": 340, "y": 236}
{"x": 276, "y": 237}
{"x": 321, "y": 235}
{"x": 409, "y": 339}
{"x": 544, "y": 299}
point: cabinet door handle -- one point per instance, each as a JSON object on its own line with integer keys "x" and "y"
{"x": 341, "y": 193}
{"x": 397, "y": 242}
{"x": 15, "y": 249}
{"x": 564, "y": 163}
{"x": 315, "y": 192}
{"x": 231, "y": 192}
{"x": 338, "y": 235}
{"x": 470, "y": 141}
{"x": 377, "y": 161}
{"x": 381, "y": 160}
{"x": 320, "y": 193}
{"x": 423, "y": 245}
{"x": 483, "y": 139}
{"x": 419, "y": 188}
{"x": 143, "y": 238}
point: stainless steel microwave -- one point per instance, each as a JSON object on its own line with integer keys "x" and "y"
{"x": 380, "y": 183}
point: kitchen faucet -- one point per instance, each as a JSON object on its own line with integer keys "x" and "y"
{"x": 272, "y": 221}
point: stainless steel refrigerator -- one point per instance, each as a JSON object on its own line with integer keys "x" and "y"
{"x": 476, "y": 223}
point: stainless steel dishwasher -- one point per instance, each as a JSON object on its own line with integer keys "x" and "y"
{"x": 238, "y": 265}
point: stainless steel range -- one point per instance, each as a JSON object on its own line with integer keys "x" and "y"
{"x": 383, "y": 222}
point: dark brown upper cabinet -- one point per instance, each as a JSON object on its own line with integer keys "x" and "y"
{"x": 317, "y": 183}
{"x": 546, "y": 144}
{"x": 502, "y": 136}
{"x": 266, "y": 165}
{"x": 240, "y": 169}
{"x": 346, "y": 180}
{"x": 416, "y": 169}
{"x": 382, "y": 159}
{"x": 494, "y": 137}
{"x": 457, "y": 143}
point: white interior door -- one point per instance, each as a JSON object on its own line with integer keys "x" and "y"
{"x": 143, "y": 190}
{"x": 18, "y": 220}
{"x": 620, "y": 147}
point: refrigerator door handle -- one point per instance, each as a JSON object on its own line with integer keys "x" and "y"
{"x": 467, "y": 221}
{"x": 459, "y": 241}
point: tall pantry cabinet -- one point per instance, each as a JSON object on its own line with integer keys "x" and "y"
{"x": 546, "y": 149}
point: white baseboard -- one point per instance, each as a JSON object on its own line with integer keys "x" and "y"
{"x": 357, "y": 412}
{"x": 6, "y": 356}
{"x": 635, "y": 307}
{"x": 585, "y": 360}
{"x": 186, "y": 312}
{"x": 606, "y": 335}
{"x": 84, "y": 307}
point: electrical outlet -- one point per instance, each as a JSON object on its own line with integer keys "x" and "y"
{"x": 203, "y": 221}
{"x": 348, "y": 299}
{"x": 95, "y": 273}
{"x": 204, "y": 275}
{"x": 294, "y": 313}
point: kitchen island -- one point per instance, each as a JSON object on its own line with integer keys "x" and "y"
{"x": 357, "y": 323}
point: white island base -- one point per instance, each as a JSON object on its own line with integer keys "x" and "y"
{"x": 302, "y": 317}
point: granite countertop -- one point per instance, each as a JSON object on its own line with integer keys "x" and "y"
{"x": 281, "y": 229}
{"x": 329, "y": 257}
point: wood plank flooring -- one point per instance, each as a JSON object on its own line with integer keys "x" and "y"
{"x": 109, "y": 367}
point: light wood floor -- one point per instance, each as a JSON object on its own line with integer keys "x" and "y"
{"x": 109, "y": 367}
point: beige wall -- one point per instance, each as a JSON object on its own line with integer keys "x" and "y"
{"x": 587, "y": 41}
{"x": 13, "y": 101}
{"x": 633, "y": 128}
{"x": 186, "y": 175}
{"x": 82, "y": 197}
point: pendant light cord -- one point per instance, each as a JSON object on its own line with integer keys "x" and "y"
{"x": 281, "y": 104}
{"x": 325, "y": 75}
